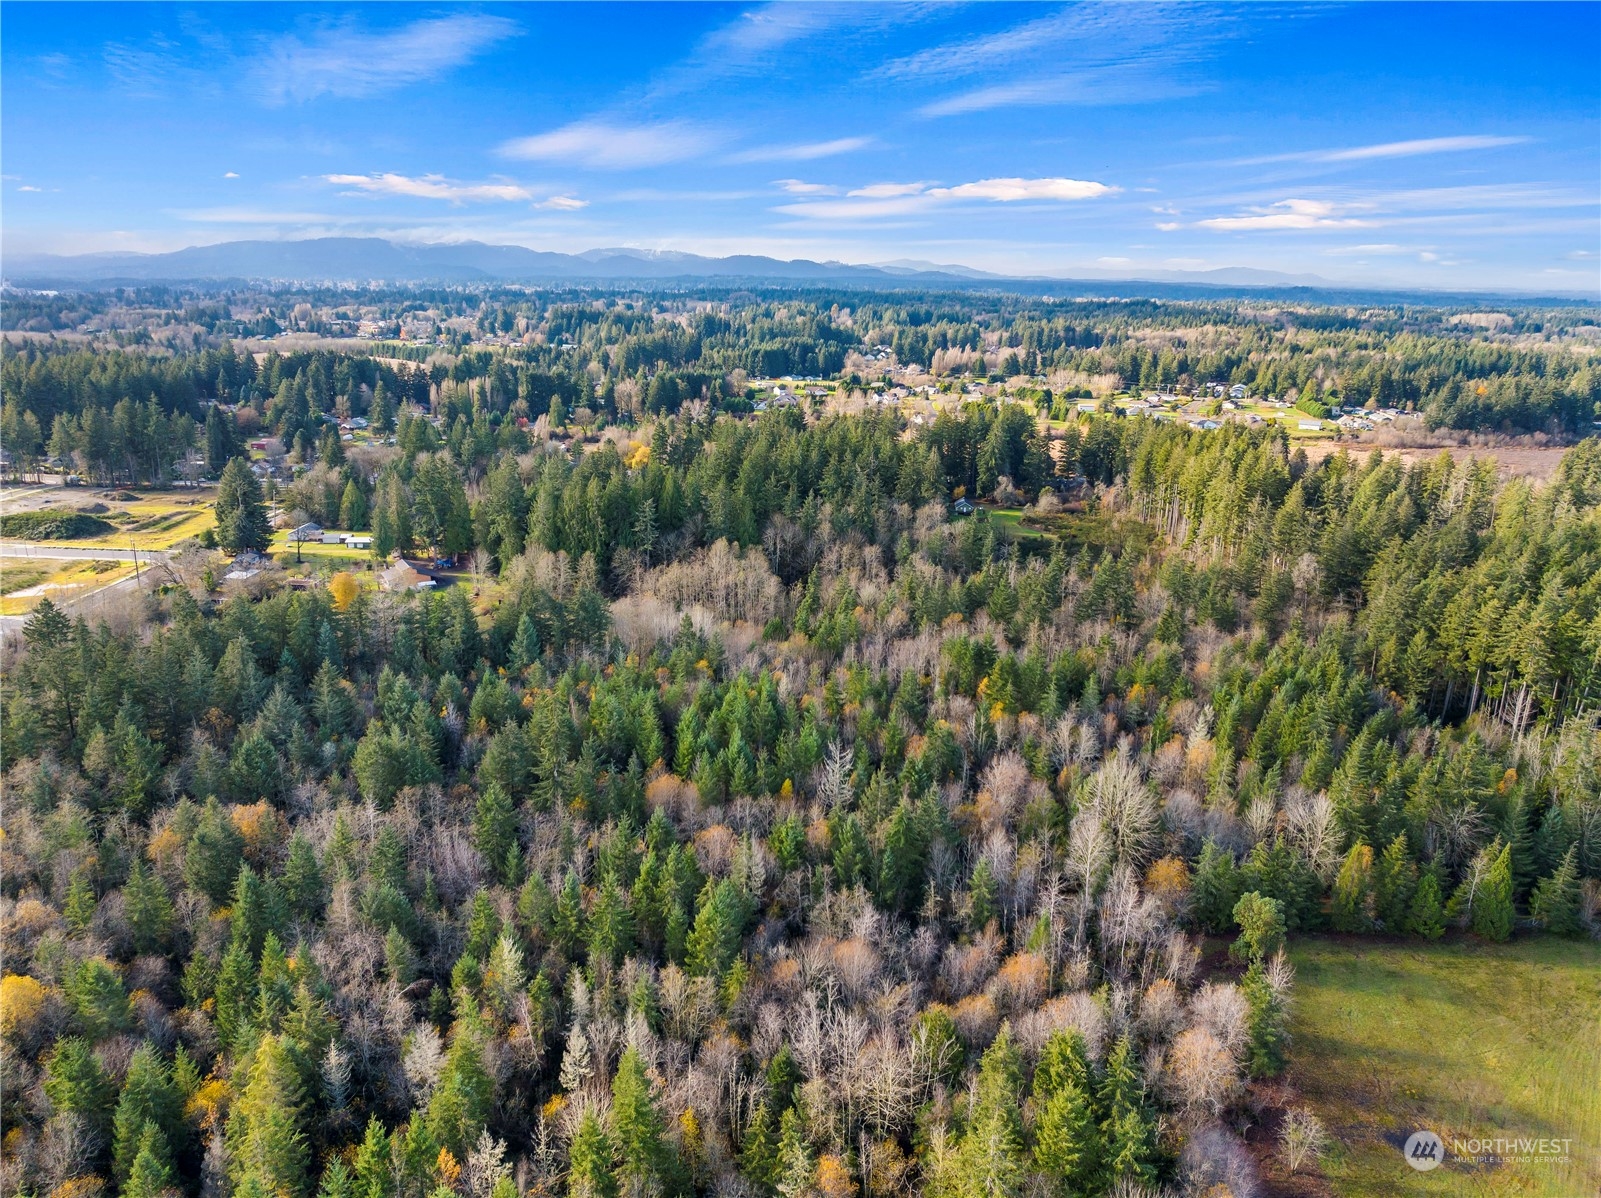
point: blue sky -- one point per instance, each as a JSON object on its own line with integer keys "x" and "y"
{"x": 1429, "y": 145}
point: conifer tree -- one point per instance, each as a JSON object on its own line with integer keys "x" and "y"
{"x": 148, "y": 1097}
{"x": 265, "y": 1141}
{"x": 1555, "y": 902}
{"x": 1128, "y": 1131}
{"x": 646, "y": 1164}
{"x": 1426, "y": 915}
{"x": 1353, "y": 891}
{"x": 241, "y": 513}
{"x": 758, "y": 1153}
{"x": 797, "y": 1163}
{"x": 589, "y": 1164}
{"x": 1394, "y": 884}
{"x": 1492, "y": 906}
{"x": 150, "y": 1172}
{"x": 1066, "y": 1139}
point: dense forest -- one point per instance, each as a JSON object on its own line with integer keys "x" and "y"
{"x": 503, "y": 355}
{"x": 756, "y": 826}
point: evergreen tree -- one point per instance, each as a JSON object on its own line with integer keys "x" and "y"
{"x": 265, "y": 1140}
{"x": 1216, "y": 889}
{"x": 1128, "y": 1129}
{"x": 150, "y": 1172}
{"x": 1395, "y": 880}
{"x": 646, "y": 1164}
{"x": 1492, "y": 915}
{"x": 149, "y": 1097}
{"x": 589, "y": 1166}
{"x": 1555, "y": 902}
{"x": 1426, "y": 916}
{"x": 461, "y": 1102}
{"x": 240, "y": 511}
{"x": 1354, "y": 891}
{"x": 1266, "y": 1021}
{"x": 758, "y": 1154}
{"x": 372, "y": 1168}
{"x": 76, "y": 1084}
{"x": 1066, "y": 1139}
{"x": 1261, "y": 924}
{"x": 496, "y": 828}
{"x": 797, "y": 1164}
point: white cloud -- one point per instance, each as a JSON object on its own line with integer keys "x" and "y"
{"x": 1383, "y": 249}
{"x": 802, "y": 153}
{"x": 230, "y": 174}
{"x": 1008, "y": 190}
{"x": 799, "y": 187}
{"x": 563, "y": 203}
{"x": 429, "y": 187}
{"x": 345, "y": 61}
{"x": 878, "y": 200}
{"x": 1287, "y": 214}
{"x": 1393, "y": 149}
{"x": 884, "y": 191}
{"x": 29, "y": 187}
{"x": 607, "y": 146}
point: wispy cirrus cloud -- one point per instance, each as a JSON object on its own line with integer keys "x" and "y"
{"x": 805, "y": 152}
{"x": 1084, "y": 54}
{"x": 756, "y": 40}
{"x": 562, "y": 204}
{"x": 1413, "y": 148}
{"x": 347, "y": 61}
{"x": 605, "y": 145}
{"x": 429, "y": 187}
{"x": 1490, "y": 206}
{"x": 879, "y": 200}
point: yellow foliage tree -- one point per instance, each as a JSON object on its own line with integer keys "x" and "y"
{"x": 343, "y": 588}
{"x": 22, "y": 1000}
{"x": 834, "y": 1179}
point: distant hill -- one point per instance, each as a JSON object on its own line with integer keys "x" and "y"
{"x": 373, "y": 259}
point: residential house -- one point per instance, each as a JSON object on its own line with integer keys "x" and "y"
{"x": 403, "y": 576}
{"x": 247, "y": 565}
{"x": 309, "y": 531}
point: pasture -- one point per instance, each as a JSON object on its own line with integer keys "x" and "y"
{"x": 1469, "y": 1040}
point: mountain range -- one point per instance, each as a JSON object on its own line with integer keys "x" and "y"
{"x": 361, "y": 260}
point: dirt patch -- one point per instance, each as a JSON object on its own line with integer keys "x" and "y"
{"x": 1535, "y": 462}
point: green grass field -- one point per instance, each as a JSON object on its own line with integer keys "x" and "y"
{"x": 284, "y": 552}
{"x": 1466, "y": 1040}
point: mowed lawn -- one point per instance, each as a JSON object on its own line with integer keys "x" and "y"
{"x": 1464, "y": 1039}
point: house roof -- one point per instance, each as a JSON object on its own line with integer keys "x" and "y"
{"x": 403, "y": 576}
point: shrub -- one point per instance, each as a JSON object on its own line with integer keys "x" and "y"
{"x": 53, "y": 526}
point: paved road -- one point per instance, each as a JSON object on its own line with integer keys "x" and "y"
{"x": 23, "y": 549}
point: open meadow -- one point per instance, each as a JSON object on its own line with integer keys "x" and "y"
{"x": 1465, "y": 1039}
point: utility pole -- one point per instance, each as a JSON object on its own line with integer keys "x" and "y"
{"x": 134, "y": 545}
